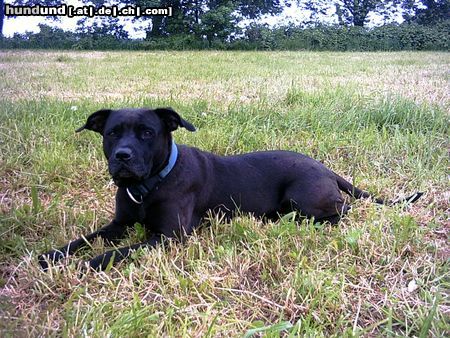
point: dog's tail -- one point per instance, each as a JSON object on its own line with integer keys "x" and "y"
{"x": 355, "y": 192}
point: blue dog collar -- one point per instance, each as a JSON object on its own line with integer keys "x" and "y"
{"x": 138, "y": 192}
{"x": 172, "y": 160}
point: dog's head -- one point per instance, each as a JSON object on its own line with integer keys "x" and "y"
{"x": 136, "y": 142}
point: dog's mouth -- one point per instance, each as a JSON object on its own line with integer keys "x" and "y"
{"x": 124, "y": 174}
{"x": 126, "y": 179}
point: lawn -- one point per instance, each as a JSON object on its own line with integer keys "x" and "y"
{"x": 380, "y": 120}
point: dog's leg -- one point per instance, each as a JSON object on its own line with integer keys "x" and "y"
{"x": 101, "y": 261}
{"x": 171, "y": 225}
{"x": 333, "y": 220}
{"x": 111, "y": 232}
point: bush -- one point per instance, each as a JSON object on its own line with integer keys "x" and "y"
{"x": 407, "y": 36}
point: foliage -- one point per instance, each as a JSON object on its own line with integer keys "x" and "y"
{"x": 214, "y": 24}
{"x": 215, "y": 19}
{"x": 387, "y": 37}
{"x": 218, "y": 24}
{"x": 407, "y": 36}
{"x": 349, "y": 12}
{"x": 108, "y": 26}
{"x": 428, "y": 13}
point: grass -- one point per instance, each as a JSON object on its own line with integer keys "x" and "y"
{"x": 379, "y": 119}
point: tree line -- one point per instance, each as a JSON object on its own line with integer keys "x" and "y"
{"x": 235, "y": 24}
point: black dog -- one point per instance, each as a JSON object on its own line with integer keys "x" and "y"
{"x": 170, "y": 188}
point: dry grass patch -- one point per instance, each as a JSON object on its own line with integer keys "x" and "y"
{"x": 225, "y": 77}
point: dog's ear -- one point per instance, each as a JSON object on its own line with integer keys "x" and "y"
{"x": 96, "y": 121}
{"x": 172, "y": 120}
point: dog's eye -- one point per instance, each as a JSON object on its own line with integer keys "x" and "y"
{"x": 147, "y": 134}
{"x": 111, "y": 133}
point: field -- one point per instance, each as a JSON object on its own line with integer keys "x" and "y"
{"x": 379, "y": 119}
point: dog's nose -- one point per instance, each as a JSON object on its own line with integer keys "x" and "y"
{"x": 123, "y": 154}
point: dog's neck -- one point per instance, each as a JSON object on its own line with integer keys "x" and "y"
{"x": 139, "y": 191}
{"x": 169, "y": 163}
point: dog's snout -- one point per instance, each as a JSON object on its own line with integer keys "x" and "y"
{"x": 123, "y": 154}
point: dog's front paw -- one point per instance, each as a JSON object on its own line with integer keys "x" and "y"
{"x": 101, "y": 262}
{"x": 51, "y": 256}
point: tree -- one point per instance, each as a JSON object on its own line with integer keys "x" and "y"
{"x": 350, "y": 12}
{"x": 199, "y": 17}
{"x": 218, "y": 23}
{"x": 426, "y": 12}
{"x": 51, "y": 37}
{"x": 182, "y": 21}
{"x": 107, "y": 26}
{"x": 253, "y": 9}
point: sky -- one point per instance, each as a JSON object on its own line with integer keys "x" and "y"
{"x": 22, "y": 24}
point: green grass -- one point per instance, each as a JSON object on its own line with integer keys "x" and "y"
{"x": 379, "y": 119}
